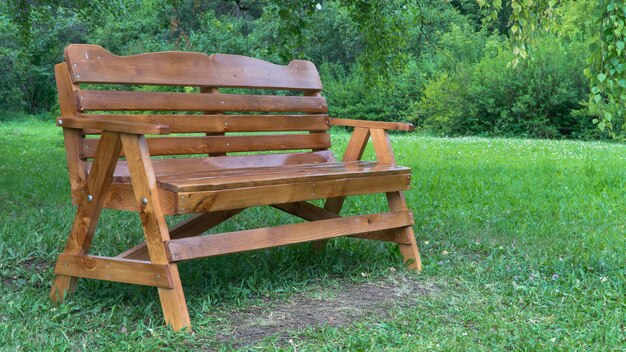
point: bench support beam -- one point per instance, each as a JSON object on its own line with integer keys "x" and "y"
{"x": 310, "y": 212}
{"x": 239, "y": 241}
{"x": 193, "y": 226}
{"x": 114, "y": 269}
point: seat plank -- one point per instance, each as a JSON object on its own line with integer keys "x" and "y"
{"x": 93, "y": 64}
{"x": 110, "y": 100}
{"x": 225, "y": 123}
{"x": 198, "y": 202}
{"x": 164, "y": 167}
{"x": 252, "y": 177}
{"x": 224, "y": 144}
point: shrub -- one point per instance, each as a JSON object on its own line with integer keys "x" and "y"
{"x": 537, "y": 98}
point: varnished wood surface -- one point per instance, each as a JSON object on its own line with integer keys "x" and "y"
{"x": 118, "y": 270}
{"x": 308, "y": 211}
{"x": 169, "y": 166}
{"x": 73, "y": 139}
{"x": 224, "y": 144}
{"x": 155, "y": 227}
{"x": 398, "y": 126}
{"x": 252, "y": 177}
{"x": 197, "y": 202}
{"x": 190, "y": 227}
{"x": 94, "y": 64}
{"x": 224, "y": 123}
{"x": 113, "y": 125}
{"x": 110, "y": 100}
{"x": 239, "y": 241}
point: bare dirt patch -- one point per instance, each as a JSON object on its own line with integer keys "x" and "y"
{"x": 23, "y": 272}
{"x": 324, "y": 307}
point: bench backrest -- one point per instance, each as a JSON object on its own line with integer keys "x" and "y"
{"x": 189, "y": 97}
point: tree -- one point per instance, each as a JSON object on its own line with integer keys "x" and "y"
{"x": 606, "y": 32}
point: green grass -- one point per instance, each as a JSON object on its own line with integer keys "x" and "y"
{"x": 524, "y": 240}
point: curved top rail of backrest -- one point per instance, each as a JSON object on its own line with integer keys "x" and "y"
{"x": 93, "y": 64}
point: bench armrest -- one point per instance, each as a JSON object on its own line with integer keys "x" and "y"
{"x": 398, "y": 126}
{"x": 113, "y": 126}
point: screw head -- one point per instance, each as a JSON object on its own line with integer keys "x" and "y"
{"x": 89, "y": 197}
{"x": 60, "y": 122}
{"x": 144, "y": 200}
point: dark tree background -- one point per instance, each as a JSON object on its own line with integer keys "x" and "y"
{"x": 433, "y": 62}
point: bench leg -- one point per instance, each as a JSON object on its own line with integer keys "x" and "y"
{"x": 89, "y": 209}
{"x": 155, "y": 227}
{"x": 409, "y": 252}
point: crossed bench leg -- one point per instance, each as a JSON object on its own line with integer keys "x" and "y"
{"x": 159, "y": 271}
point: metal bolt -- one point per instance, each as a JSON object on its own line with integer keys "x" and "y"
{"x": 89, "y": 197}
{"x": 158, "y": 276}
{"x": 75, "y": 65}
{"x": 77, "y": 76}
{"x": 60, "y": 122}
{"x": 65, "y": 264}
{"x": 144, "y": 200}
{"x": 225, "y": 123}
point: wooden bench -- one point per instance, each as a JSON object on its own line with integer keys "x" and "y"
{"x": 112, "y": 135}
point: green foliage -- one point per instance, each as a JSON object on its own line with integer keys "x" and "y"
{"x": 28, "y": 83}
{"x": 536, "y": 98}
{"x": 606, "y": 69}
{"x": 376, "y": 57}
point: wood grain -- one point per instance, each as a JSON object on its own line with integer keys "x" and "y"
{"x": 185, "y": 181}
{"x": 73, "y": 139}
{"x": 397, "y": 126}
{"x": 190, "y": 227}
{"x": 197, "y": 202}
{"x": 113, "y": 125}
{"x": 224, "y": 144}
{"x": 110, "y": 100}
{"x": 118, "y": 270}
{"x": 223, "y": 123}
{"x": 155, "y": 228}
{"x": 239, "y": 241}
{"x": 311, "y": 212}
{"x": 89, "y": 209}
{"x": 169, "y": 166}
{"x": 93, "y": 64}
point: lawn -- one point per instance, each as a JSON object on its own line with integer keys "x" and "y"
{"x": 523, "y": 244}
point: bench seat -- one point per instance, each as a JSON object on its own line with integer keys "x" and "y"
{"x": 198, "y": 179}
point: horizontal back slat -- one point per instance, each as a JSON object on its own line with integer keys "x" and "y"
{"x": 227, "y": 123}
{"x": 103, "y": 100}
{"x": 224, "y": 144}
{"x": 93, "y": 64}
